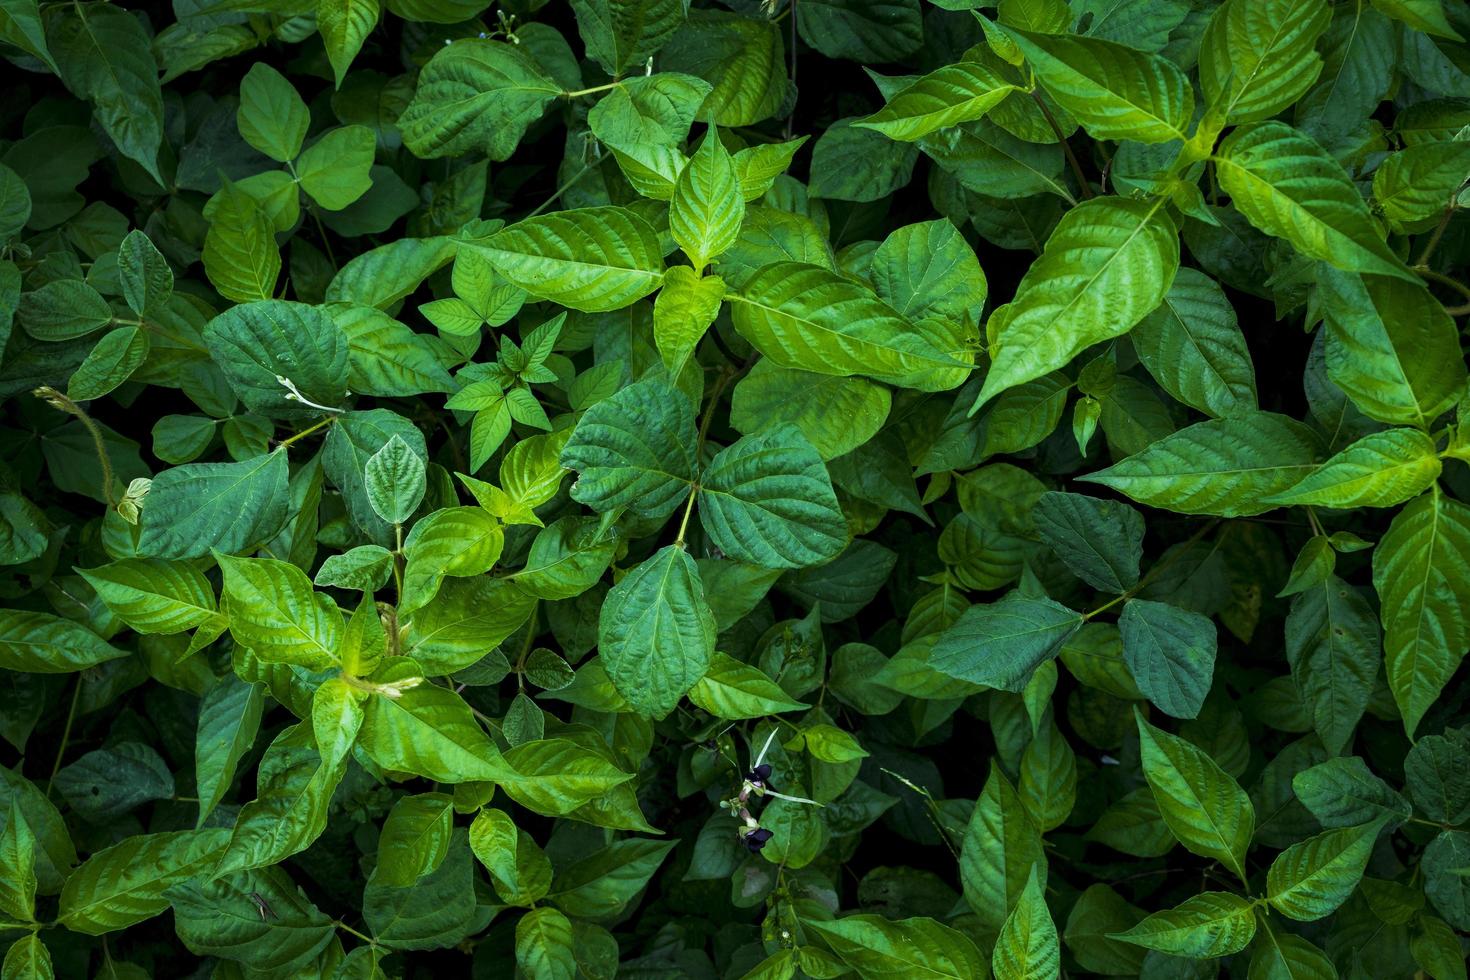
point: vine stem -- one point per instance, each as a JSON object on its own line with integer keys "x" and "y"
{"x": 1434, "y": 239}
{"x": 71, "y": 714}
{"x": 62, "y": 403}
{"x": 1072, "y": 160}
{"x": 1451, "y": 282}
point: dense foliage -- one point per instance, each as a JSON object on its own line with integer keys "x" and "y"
{"x": 548, "y": 490}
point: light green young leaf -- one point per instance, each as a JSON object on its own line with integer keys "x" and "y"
{"x": 1107, "y": 264}
{"x": 1382, "y": 469}
{"x": 274, "y": 611}
{"x": 589, "y": 259}
{"x": 1223, "y": 467}
{"x": 887, "y": 949}
{"x": 1205, "y": 808}
{"x": 1311, "y": 879}
{"x": 241, "y": 257}
{"x": 1421, "y": 571}
{"x": 344, "y": 26}
{"x": 1001, "y": 644}
{"x": 335, "y": 169}
{"x": 556, "y": 776}
{"x": 272, "y": 117}
{"x": 1028, "y": 948}
{"x": 518, "y": 868}
{"x": 544, "y": 945}
{"x": 1258, "y": 56}
{"x": 1208, "y": 925}
{"x": 945, "y": 97}
{"x": 1391, "y": 347}
{"x": 1171, "y": 654}
{"x": 17, "y": 868}
{"x": 395, "y": 481}
{"x": 707, "y": 207}
{"x": 475, "y": 96}
{"x": 151, "y": 595}
{"x": 767, "y": 500}
{"x": 415, "y": 838}
{"x": 1116, "y": 92}
{"x": 731, "y": 689}
{"x": 1288, "y": 186}
{"x": 927, "y": 271}
{"x": 427, "y": 730}
{"x": 686, "y": 306}
{"x": 656, "y": 634}
{"x": 812, "y": 319}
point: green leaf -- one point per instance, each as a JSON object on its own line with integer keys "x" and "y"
{"x": 124, "y": 884}
{"x": 1171, "y": 654}
{"x": 438, "y": 910}
{"x": 271, "y": 117}
{"x": 427, "y": 730}
{"x": 1421, "y": 571}
{"x": 229, "y": 720}
{"x": 544, "y": 945}
{"x": 344, "y": 26}
{"x": 395, "y": 481}
{"x": 656, "y": 634}
{"x": 1288, "y": 186}
{"x": 475, "y": 95}
{"x": 566, "y": 559}
{"x": 63, "y": 309}
{"x": 467, "y": 618}
{"x": 274, "y": 611}
{"x": 686, "y": 306}
{"x": 835, "y": 414}
{"x": 555, "y": 776}
{"x": 886, "y": 949}
{"x": 812, "y": 319}
{"x": 767, "y": 500}
{"x": 1208, "y": 925}
{"x": 945, "y": 97}
{"x": 1422, "y": 15}
{"x": 1000, "y": 645}
{"x": 1101, "y": 541}
{"x": 518, "y": 868}
{"x": 634, "y": 450}
{"x": 1344, "y": 793}
{"x": 228, "y": 507}
{"x": 1001, "y": 847}
{"x": 1258, "y": 56}
{"x": 744, "y": 59}
{"x": 1114, "y": 91}
{"x": 1222, "y": 468}
{"x": 117, "y": 355}
{"x": 1028, "y": 948}
{"x": 1435, "y": 770}
{"x": 1193, "y": 347}
{"x": 147, "y": 280}
{"x": 707, "y": 207}
{"x": 1391, "y": 348}
{"x": 293, "y": 790}
{"x": 40, "y": 643}
{"x": 1333, "y": 646}
{"x": 1382, "y": 469}
{"x": 27, "y": 959}
{"x": 105, "y": 57}
{"x": 603, "y": 884}
{"x": 151, "y": 595}
{"x": 1206, "y": 810}
{"x": 241, "y": 257}
{"x": 1311, "y": 879}
{"x": 731, "y": 689}
{"x": 1414, "y": 183}
{"x": 590, "y": 259}
{"x": 927, "y": 272}
{"x": 334, "y": 169}
{"x": 385, "y": 357}
{"x": 621, "y": 34}
{"x": 258, "y": 344}
{"x": 17, "y": 868}
{"x": 415, "y": 838}
{"x": 854, "y": 164}
{"x": 223, "y": 918}
{"x": 1108, "y": 263}
{"x": 459, "y": 541}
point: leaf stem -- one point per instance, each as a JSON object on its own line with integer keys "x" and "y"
{"x": 590, "y": 91}
{"x": 307, "y": 431}
{"x": 1153, "y": 573}
{"x": 353, "y": 932}
{"x": 1072, "y": 160}
{"x": 1450, "y": 281}
{"x": 1434, "y": 239}
{"x": 563, "y": 188}
{"x": 62, "y": 403}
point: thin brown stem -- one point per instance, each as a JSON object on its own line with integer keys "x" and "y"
{"x": 1056, "y": 128}
{"x": 62, "y": 403}
{"x": 1434, "y": 239}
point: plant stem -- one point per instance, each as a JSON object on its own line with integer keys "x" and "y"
{"x": 62, "y": 403}
{"x": 1152, "y": 572}
{"x": 1445, "y": 280}
{"x": 1072, "y": 160}
{"x": 71, "y": 715}
{"x": 326, "y": 242}
{"x": 590, "y": 91}
{"x": 353, "y": 932}
{"x": 563, "y": 189}
{"x": 1434, "y": 239}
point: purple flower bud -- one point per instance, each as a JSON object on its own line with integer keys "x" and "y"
{"x": 756, "y": 839}
{"x": 760, "y": 774}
